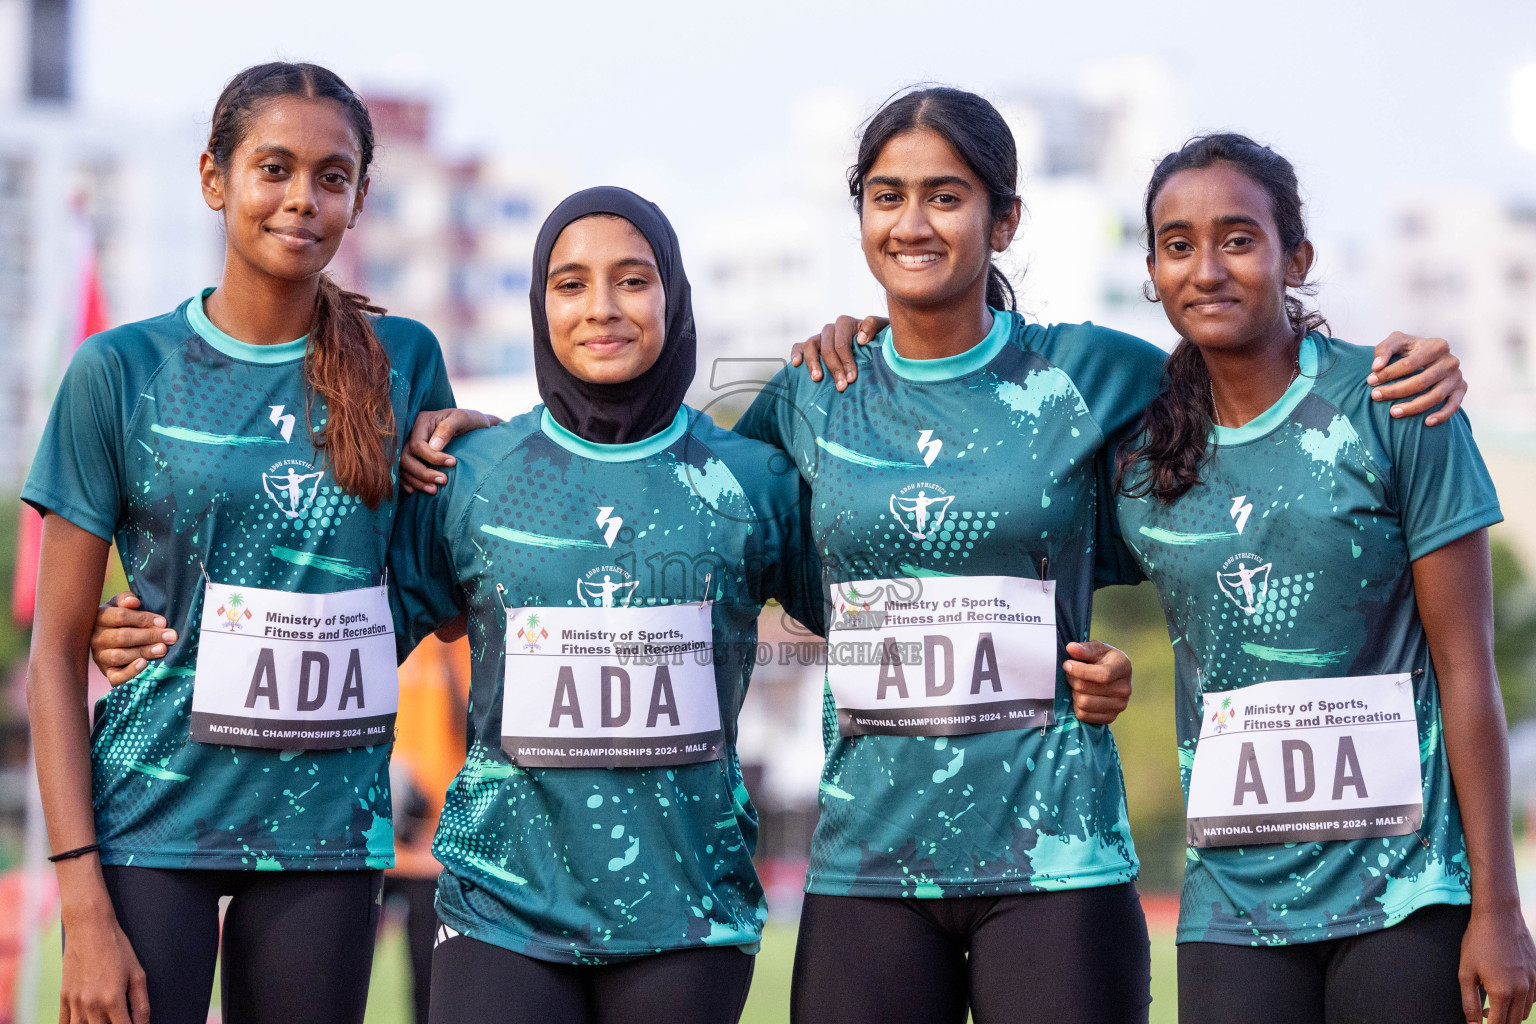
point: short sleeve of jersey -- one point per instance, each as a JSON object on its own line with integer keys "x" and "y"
{"x": 425, "y": 594}
{"x": 771, "y": 415}
{"x": 789, "y": 570}
{"x": 78, "y": 470}
{"x": 416, "y": 356}
{"x": 1118, "y": 376}
{"x": 1443, "y": 488}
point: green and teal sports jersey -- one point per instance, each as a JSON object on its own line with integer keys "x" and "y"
{"x": 580, "y": 864}
{"x": 166, "y": 436}
{"x": 1011, "y": 436}
{"x": 1326, "y": 500}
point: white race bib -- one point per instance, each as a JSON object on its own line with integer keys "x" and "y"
{"x": 610, "y": 687}
{"x": 295, "y": 671}
{"x": 942, "y": 656}
{"x": 1307, "y": 760}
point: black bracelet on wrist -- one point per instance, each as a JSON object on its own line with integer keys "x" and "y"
{"x": 72, "y": 854}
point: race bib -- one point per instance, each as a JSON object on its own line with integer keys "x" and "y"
{"x": 295, "y": 671}
{"x": 942, "y": 656}
{"x": 1305, "y": 760}
{"x": 610, "y": 687}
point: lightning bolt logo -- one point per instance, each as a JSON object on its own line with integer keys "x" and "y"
{"x": 283, "y": 423}
{"x": 609, "y": 523}
{"x": 1241, "y": 506}
{"x": 930, "y": 446}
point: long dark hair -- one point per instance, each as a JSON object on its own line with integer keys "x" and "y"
{"x": 974, "y": 129}
{"x": 1168, "y": 457}
{"x": 344, "y": 364}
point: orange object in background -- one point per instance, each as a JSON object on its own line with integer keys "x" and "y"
{"x": 430, "y": 742}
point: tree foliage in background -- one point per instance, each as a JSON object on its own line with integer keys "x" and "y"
{"x": 1514, "y": 632}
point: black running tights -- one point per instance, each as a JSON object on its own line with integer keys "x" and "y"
{"x": 1405, "y": 974}
{"x": 297, "y": 945}
{"x": 474, "y": 982}
{"x": 1048, "y": 957}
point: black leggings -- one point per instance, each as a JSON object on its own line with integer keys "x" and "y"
{"x": 1052, "y": 957}
{"x": 297, "y": 945}
{"x": 1405, "y": 974}
{"x": 474, "y": 982}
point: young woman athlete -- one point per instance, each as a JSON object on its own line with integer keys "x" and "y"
{"x": 241, "y": 451}
{"x": 612, "y": 549}
{"x": 1324, "y": 569}
{"x": 973, "y": 849}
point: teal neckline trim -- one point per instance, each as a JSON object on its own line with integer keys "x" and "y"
{"x": 927, "y": 371}
{"x": 1276, "y": 414}
{"x": 233, "y": 347}
{"x": 633, "y": 451}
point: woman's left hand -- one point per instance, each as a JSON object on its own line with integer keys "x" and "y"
{"x": 1428, "y": 374}
{"x": 429, "y": 436}
{"x": 1497, "y": 958}
{"x": 1100, "y": 677}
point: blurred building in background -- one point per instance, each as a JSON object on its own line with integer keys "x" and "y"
{"x": 1463, "y": 266}
{"x": 446, "y": 239}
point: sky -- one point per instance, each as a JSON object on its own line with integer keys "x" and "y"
{"x": 1370, "y": 99}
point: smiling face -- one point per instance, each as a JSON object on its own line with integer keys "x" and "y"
{"x": 604, "y": 299}
{"x": 926, "y": 223}
{"x": 1217, "y": 260}
{"x": 292, "y": 188}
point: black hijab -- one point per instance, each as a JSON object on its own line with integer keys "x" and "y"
{"x": 634, "y": 409}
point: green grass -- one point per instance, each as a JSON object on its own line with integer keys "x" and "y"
{"x": 389, "y": 1000}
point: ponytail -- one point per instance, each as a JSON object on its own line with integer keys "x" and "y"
{"x": 346, "y": 366}
{"x": 1177, "y": 426}
{"x": 1000, "y": 290}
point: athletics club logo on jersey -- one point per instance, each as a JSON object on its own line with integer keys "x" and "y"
{"x": 291, "y": 490}
{"x": 930, "y": 446}
{"x": 1244, "y": 578}
{"x": 233, "y": 612}
{"x": 532, "y": 634}
{"x": 607, "y": 586}
{"x": 921, "y": 508}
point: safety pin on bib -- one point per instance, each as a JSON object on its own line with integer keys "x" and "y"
{"x": 501, "y": 599}
{"x": 202, "y": 567}
{"x": 705, "y": 599}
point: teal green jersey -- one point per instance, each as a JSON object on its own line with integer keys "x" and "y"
{"x": 1292, "y": 560}
{"x": 193, "y": 451}
{"x": 927, "y": 476}
{"x": 540, "y": 528}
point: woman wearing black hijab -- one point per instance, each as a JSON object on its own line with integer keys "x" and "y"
{"x": 612, "y": 549}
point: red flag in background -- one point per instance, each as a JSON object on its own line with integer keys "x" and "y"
{"x": 88, "y": 317}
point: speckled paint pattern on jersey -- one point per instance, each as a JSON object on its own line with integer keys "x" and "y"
{"x": 1011, "y": 436}
{"x": 1329, "y": 500}
{"x": 587, "y": 865}
{"x": 192, "y": 450}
